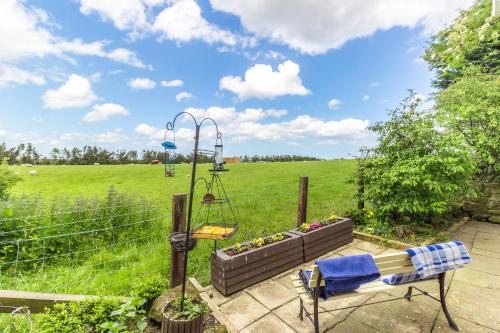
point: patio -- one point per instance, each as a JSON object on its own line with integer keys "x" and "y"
{"x": 473, "y": 297}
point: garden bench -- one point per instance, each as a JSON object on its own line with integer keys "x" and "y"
{"x": 387, "y": 264}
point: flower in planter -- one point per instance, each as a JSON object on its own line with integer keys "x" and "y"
{"x": 304, "y": 227}
{"x": 231, "y": 253}
{"x": 258, "y": 242}
{"x": 333, "y": 217}
{"x": 315, "y": 226}
{"x": 278, "y": 237}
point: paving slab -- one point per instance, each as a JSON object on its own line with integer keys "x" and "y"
{"x": 272, "y": 294}
{"x": 477, "y": 278}
{"x": 369, "y": 247}
{"x": 481, "y": 226}
{"x": 491, "y": 254}
{"x": 476, "y": 304}
{"x": 243, "y": 310}
{"x": 396, "y": 316}
{"x": 485, "y": 264}
{"x": 441, "y": 325}
{"x": 487, "y": 241}
{"x": 350, "y": 251}
{"x": 290, "y": 313}
{"x": 269, "y": 323}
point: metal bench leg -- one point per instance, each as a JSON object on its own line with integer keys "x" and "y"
{"x": 316, "y": 301}
{"x": 301, "y": 311}
{"x": 442, "y": 296}
{"x": 408, "y": 294}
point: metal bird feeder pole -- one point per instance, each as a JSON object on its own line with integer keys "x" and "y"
{"x": 170, "y": 126}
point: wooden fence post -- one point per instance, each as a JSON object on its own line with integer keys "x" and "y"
{"x": 302, "y": 210}
{"x": 178, "y": 225}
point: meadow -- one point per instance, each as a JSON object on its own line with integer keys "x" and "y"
{"x": 263, "y": 195}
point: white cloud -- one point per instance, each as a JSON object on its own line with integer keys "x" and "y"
{"x": 12, "y": 75}
{"x": 3, "y": 132}
{"x": 261, "y": 124}
{"x": 126, "y": 15}
{"x": 141, "y": 83}
{"x": 182, "y": 22}
{"x": 336, "y": 21}
{"x": 76, "y": 92}
{"x": 126, "y": 56}
{"x": 115, "y": 136}
{"x": 366, "y": 97}
{"x": 173, "y": 83}
{"x": 418, "y": 60}
{"x": 375, "y": 84}
{"x": 334, "y": 104}
{"x": 104, "y": 111}
{"x": 26, "y": 32}
{"x": 274, "y": 55}
{"x": 182, "y": 96}
{"x": 261, "y": 81}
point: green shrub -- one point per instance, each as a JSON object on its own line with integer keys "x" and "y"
{"x": 100, "y": 315}
{"x": 416, "y": 171}
{"x": 471, "y": 108}
{"x": 149, "y": 289}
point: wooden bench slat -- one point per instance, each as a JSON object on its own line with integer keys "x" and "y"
{"x": 391, "y": 257}
{"x": 397, "y": 270}
{"x": 396, "y": 263}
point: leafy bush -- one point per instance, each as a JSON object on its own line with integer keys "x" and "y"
{"x": 149, "y": 289}
{"x": 40, "y": 232}
{"x": 128, "y": 318}
{"x": 471, "y": 108}
{"x": 416, "y": 171}
{"x": 87, "y": 316}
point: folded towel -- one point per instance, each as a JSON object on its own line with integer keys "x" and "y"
{"x": 344, "y": 274}
{"x": 438, "y": 258}
{"x": 403, "y": 278}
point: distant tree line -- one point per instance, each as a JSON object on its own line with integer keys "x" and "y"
{"x": 87, "y": 155}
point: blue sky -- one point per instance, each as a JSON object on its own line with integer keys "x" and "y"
{"x": 280, "y": 77}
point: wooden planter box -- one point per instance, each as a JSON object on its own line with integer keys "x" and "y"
{"x": 194, "y": 325}
{"x": 231, "y": 274}
{"x": 326, "y": 239}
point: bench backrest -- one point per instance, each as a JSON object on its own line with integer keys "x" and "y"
{"x": 387, "y": 264}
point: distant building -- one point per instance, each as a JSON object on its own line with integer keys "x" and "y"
{"x": 232, "y": 159}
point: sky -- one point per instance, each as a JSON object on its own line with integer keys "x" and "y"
{"x": 278, "y": 76}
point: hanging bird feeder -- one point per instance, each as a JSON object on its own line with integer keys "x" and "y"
{"x": 219, "y": 156}
{"x": 169, "y": 159}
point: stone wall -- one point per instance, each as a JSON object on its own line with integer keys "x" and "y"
{"x": 487, "y": 206}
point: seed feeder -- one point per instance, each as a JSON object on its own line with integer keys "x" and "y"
{"x": 219, "y": 156}
{"x": 169, "y": 159}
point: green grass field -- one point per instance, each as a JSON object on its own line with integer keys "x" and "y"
{"x": 264, "y": 196}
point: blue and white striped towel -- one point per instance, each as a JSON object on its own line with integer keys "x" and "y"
{"x": 431, "y": 260}
{"x": 403, "y": 278}
{"x": 438, "y": 258}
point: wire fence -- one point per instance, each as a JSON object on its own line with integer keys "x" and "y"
{"x": 108, "y": 246}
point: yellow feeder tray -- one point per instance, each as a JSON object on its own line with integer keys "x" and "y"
{"x": 214, "y": 232}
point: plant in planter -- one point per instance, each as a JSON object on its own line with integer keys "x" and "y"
{"x": 323, "y": 236}
{"x": 255, "y": 244}
{"x": 243, "y": 264}
{"x": 188, "y": 319}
